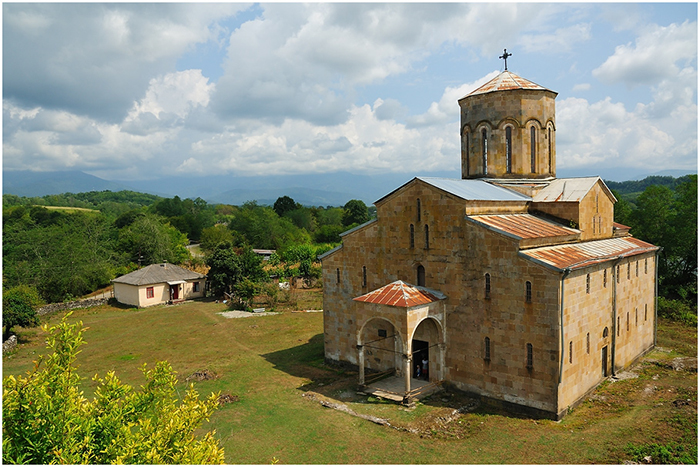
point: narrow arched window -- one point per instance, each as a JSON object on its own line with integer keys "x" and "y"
{"x": 528, "y": 292}
{"x": 618, "y": 274}
{"x": 487, "y": 286}
{"x": 412, "y": 236}
{"x": 636, "y": 317}
{"x": 588, "y": 342}
{"x": 636, "y": 268}
{"x": 549, "y": 146}
{"x": 600, "y": 224}
{"x": 588, "y": 283}
{"x": 571, "y": 351}
{"x": 628, "y": 321}
{"x": 605, "y": 333}
{"x": 484, "y": 150}
{"x": 645, "y": 312}
{"x": 533, "y": 151}
{"x": 509, "y": 149}
{"x": 605, "y": 278}
{"x": 337, "y": 276}
{"x": 487, "y": 348}
{"x": 596, "y": 203}
{"x": 645, "y": 265}
{"x": 466, "y": 148}
{"x": 420, "y": 273}
{"x": 593, "y": 225}
{"x": 418, "y": 209}
{"x": 529, "y": 355}
{"x": 629, "y": 266}
{"x": 427, "y": 237}
{"x": 364, "y": 276}
{"x": 618, "y": 326}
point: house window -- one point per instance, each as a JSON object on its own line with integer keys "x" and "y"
{"x": 571, "y": 351}
{"x": 381, "y": 332}
{"x": 484, "y": 150}
{"x": 337, "y": 275}
{"x": 364, "y": 276}
{"x": 533, "y": 151}
{"x": 195, "y": 286}
{"x": 588, "y": 283}
{"x": 487, "y": 349}
{"x": 605, "y": 277}
{"x": 529, "y": 355}
{"x": 413, "y": 236}
{"x": 487, "y": 286}
{"x": 149, "y": 292}
{"x": 588, "y": 342}
{"x": 427, "y": 237}
{"x": 528, "y": 292}
{"x": 418, "y": 209}
{"x": 509, "y": 150}
{"x": 421, "y": 275}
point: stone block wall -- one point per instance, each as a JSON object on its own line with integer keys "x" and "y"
{"x": 54, "y": 307}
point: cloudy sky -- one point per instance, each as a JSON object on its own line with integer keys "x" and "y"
{"x": 137, "y": 91}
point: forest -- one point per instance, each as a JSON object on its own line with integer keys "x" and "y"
{"x": 60, "y": 247}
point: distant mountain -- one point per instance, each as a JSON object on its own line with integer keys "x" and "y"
{"x": 28, "y": 183}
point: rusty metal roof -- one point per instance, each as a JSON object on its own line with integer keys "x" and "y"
{"x": 401, "y": 294}
{"x": 506, "y": 81}
{"x": 580, "y": 255}
{"x": 524, "y": 225}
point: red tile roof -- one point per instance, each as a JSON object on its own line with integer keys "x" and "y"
{"x": 524, "y": 225}
{"x": 580, "y": 255}
{"x": 506, "y": 81}
{"x": 400, "y": 294}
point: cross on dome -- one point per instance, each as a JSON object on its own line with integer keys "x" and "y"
{"x": 505, "y": 57}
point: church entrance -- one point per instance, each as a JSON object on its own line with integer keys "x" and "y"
{"x": 421, "y": 359}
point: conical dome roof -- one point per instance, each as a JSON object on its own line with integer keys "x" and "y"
{"x": 506, "y": 81}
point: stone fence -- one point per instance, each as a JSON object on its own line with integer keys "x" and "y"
{"x": 9, "y": 344}
{"x": 54, "y": 307}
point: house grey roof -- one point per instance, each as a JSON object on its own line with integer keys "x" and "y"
{"x": 158, "y": 274}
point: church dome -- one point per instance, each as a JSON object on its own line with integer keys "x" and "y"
{"x": 508, "y": 130}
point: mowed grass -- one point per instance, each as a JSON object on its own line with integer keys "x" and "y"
{"x": 269, "y": 362}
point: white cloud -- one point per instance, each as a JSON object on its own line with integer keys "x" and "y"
{"x": 582, "y": 87}
{"x": 559, "y": 41}
{"x": 653, "y": 57}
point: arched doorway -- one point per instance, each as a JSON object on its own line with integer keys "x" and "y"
{"x": 427, "y": 350}
{"x": 380, "y": 347}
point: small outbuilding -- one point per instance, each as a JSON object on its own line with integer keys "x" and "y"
{"x": 157, "y": 284}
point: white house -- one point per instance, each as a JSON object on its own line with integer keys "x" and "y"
{"x": 157, "y": 284}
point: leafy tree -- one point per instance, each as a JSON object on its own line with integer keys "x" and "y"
{"x": 225, "y": 269}
{"x": 263, "y": 228}
{"x": 355, "y": 212}
{"x": 19, "y": 305}
{"x": 153, "y": 241}
{"x": 212, "y": 236}
{"x": 283, "y": 205}
{"x": 47, "y": 420}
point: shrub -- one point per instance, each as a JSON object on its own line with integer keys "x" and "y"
{"x": 19, "y": 305}
{"x": 677, "y": 310}
{"x": 672, "y": 453}
{"x": 46, "y": 419}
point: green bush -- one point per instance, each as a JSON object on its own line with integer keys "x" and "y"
{"x": 672, "y": 453}
{"x": 678, "y": 310}
{"x": 19, "y": 305}
{"x": 46, "y": 419}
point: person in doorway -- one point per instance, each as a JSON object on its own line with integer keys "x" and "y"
{"x": 424, "y": 371}
{"x": 417, "y": 371}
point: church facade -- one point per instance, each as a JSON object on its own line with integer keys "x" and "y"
{"x": 513, "y": 284}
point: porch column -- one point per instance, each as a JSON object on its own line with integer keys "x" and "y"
{"x": 361, "y": 363}
{"x": 407, "y": 372}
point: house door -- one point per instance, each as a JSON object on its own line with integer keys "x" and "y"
{"x": 604, "y": 357}
{"x": 175, "y": 292}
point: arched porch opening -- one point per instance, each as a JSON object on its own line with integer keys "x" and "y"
{"x": 380, "y": 348}
{"x": 427, "y": 348}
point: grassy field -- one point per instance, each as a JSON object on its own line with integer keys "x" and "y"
{"x": 269, "y": 362}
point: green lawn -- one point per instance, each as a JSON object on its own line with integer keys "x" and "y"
{"x": 270, "y": 361}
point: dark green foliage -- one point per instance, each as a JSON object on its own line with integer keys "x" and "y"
{"x": 212, "y": 236}
{"x": 672, "y": 453}
{"x": 148, "y": 240}
{"x": 355, "y": 212}
{"x": 678, "y": 310}
{"x": 638, "y": 186}
{"x": 19, "y": 305}
{"x": 283, "y": 205}
{"x": 225, "y": 269}
{"x": 189, "y": 216}
{"x": 263, "y": 228}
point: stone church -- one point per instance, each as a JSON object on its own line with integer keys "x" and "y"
{"x": 513, "y": 284}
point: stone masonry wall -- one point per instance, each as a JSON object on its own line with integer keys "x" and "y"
{"x": 54, "y": 307}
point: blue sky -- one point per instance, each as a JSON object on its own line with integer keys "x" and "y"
{"x": 141, "y": 91}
